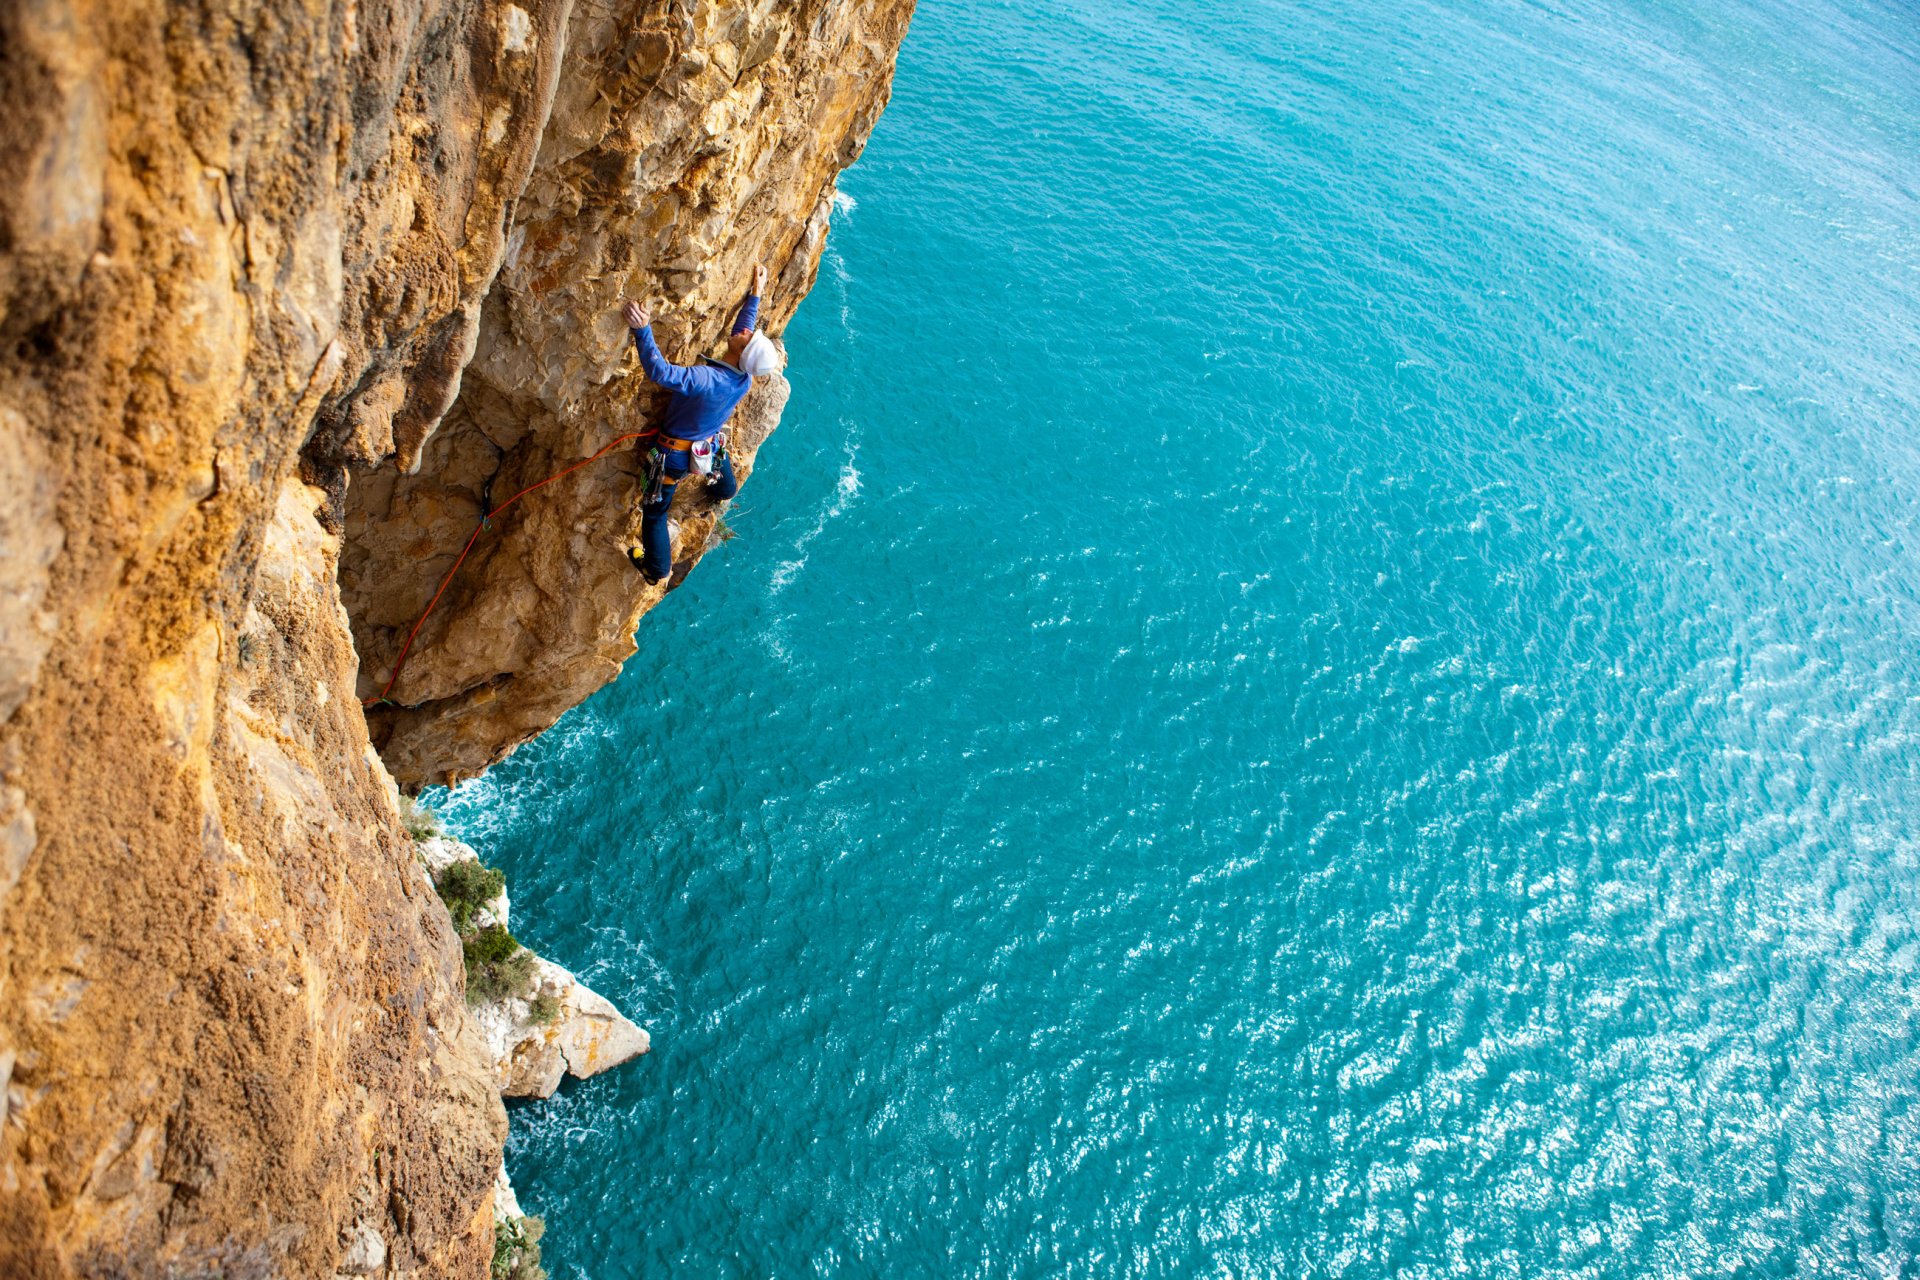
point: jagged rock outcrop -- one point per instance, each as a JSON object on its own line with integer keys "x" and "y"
{"x": 557, "y": 1026}
{"x": 686, "y": 144}
{"x": 585, "y": 1036}
{"x": 248, "y": 250}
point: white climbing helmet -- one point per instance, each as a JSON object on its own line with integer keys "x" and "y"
{"x": 761, "y": 357}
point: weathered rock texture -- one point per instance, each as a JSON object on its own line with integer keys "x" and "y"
{"x": 586, "y": 1034}
{"x": 233, "y": 1002}
{"x": 687, "y": 143}
{"x": 248, "y": 248}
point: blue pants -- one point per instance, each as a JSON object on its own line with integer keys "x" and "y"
{"x": 657, "y": 561}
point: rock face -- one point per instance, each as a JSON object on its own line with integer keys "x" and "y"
{"x": 250, "y": 254}
{"x": 233, "y": 1009}
{"x": 583, "y": 1036}
{"x": 687, "y": 142}
{"x": 586, "y": 1036}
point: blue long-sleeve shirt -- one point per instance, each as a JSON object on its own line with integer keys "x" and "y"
{"x": 704, "y": 394}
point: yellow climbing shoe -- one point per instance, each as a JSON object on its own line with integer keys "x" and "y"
{"x": 637, "y": 557}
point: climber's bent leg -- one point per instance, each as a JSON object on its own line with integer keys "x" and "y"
{"x": 656, "y": 531}
{"x": 656, "y": 541}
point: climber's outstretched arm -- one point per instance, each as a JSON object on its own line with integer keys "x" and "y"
{"x": 750, "y": 309}
{"x": 657, "y": 367}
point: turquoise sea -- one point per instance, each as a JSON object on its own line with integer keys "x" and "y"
{"x": 1321, "y": 680}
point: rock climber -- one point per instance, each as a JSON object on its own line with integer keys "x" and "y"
{"x": 690, "y": 439}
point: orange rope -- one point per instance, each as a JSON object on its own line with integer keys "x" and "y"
{"x": 485, "y": 520}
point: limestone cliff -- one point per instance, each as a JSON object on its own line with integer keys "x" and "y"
{"x": 687, "y": 143}
{"x": 251, "y": 253}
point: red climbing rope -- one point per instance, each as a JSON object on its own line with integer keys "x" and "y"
{"x": 474, "y": 537}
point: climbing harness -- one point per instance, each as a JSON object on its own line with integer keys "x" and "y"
{"x": 486, "y": 522}
{"x": 702, "y": 456}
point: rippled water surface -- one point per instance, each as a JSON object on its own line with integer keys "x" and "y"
{"x": 1321, "y": 680}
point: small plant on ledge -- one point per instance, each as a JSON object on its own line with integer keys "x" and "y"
{"x": 516, "y": 1249}
{"x": 498, "y": 967}
{"x": 466, "y": 887}
{"x": 421, "y": 822}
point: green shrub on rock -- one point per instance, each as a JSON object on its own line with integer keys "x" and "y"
{"x": 498, "y": 967}
{"x": 516, "y": 1249}
{"x": 466, "y": 887}
{"x": 421, "y": 822}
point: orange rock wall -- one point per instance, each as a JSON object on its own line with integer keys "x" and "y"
{"x": 686, "y": 144}
{"x": 250, "y": 254}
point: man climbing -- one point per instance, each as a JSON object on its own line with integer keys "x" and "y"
{"x": 704, "y": 396}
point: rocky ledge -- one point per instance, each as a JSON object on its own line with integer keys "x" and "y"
{"x": 540, "y": 1022}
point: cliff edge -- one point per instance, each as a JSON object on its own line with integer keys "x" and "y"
{"x": 288, "y": 294}
{"x": 686, "y": 144}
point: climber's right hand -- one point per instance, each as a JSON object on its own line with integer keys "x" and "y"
{"x": 759, "y": 280}
{"x": 638, "y": 317}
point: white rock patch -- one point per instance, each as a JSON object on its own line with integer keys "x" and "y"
{"x": 587, "y": 1036}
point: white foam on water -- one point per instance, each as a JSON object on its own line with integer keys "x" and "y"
{"x": 483, "y": 810}
{"x": 844, "y": 203}
{"x": 845, "y": 490}
{"x": 776, "y": 645}
{"x": 837, "y": 267}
